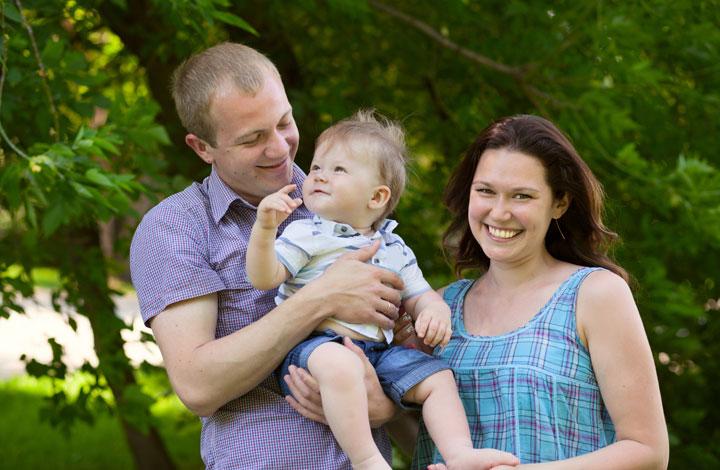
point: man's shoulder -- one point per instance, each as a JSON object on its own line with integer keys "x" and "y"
{"x": 190, "y": 202}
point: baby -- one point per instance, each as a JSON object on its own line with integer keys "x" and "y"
{"x": 355, "y": 180}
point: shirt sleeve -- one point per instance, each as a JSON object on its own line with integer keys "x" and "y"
{"x": 412, "y": 276}
{"x": 294, "y": 247}
{"x": 169, "y": 261}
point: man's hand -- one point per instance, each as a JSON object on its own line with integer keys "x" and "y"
{"x": 359, "y": 292}
{"x": 275, "y": 208}
{"x": 307, "y": 401}
{"x": 433, "y": 324}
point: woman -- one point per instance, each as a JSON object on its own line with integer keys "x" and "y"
{"x": 548, "y": 349}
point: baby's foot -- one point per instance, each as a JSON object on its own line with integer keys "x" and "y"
{"x": 479, "y": 459}
{"x": 376, "y": 462}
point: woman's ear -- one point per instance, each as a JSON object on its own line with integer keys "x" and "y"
{"x": 561, "y": 205}
{"x": 380, "y": 197}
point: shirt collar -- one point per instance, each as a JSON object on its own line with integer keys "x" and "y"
{"x": 222, "y": 196}
{"x": 339, "y": 229}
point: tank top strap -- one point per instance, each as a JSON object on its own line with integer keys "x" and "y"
{"x": 453, "y": 295}
{"x": 561, "y": 309}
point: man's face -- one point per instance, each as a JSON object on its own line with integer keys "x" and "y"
{"x": 256, "y": 139}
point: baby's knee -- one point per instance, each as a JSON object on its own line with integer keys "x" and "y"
{"x": 333, "y": 361}
{"x": 440, "y": 382}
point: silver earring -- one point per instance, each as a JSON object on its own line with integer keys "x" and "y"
{"x": 557, "y": 224}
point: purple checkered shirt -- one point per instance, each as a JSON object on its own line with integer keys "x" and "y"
{"x": 192, "y": 244}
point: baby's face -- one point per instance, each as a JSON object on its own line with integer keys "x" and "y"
{"x": 340, "y": 185}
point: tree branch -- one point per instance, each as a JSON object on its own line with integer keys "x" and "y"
{"x": 518, "y": 73}
{"x": 42, "y": 72}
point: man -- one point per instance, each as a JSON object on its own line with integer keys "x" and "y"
{"x": 220, "y": 338}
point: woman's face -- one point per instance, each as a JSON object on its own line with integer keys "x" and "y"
{"x": 511, "y": 206}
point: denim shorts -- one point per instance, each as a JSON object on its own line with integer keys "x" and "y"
{"x": 398, "y": 368}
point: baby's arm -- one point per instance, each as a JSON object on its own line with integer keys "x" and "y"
{"x": 432, "y": 317}
{"x": 264, "y": 270}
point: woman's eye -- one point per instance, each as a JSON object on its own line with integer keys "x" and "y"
{"x": 483, "y": 190}
{"x": 522, "y": 196}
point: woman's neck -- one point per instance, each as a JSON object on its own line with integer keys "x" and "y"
{"x": 516, "y": 275}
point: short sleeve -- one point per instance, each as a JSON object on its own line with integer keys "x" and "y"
{"x": 412, "y": 276}
{"x": 169, "y": 260}
{"x": 294, "y": 247}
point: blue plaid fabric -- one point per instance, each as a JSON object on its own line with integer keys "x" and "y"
{"x": 531, "y": 392}
{"x": 192, "y": 244}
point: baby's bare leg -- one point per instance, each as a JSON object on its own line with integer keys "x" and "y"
{"x": 446, "y": 422}
{"x": 339, "y": 373}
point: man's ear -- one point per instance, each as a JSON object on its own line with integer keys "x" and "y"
{"x": 380, "y": 197}
{"x": 561, "y": 205}
{"x": 199, "y": 146}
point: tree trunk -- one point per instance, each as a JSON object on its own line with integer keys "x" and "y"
{"x": 85, "y": 265}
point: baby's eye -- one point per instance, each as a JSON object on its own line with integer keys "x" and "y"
{"x": 340, "y": 169}
{"x": 314, "y": 167}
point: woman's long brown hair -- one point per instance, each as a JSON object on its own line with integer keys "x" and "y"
{"x": 586, "y": 239}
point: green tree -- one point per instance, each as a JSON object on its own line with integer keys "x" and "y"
{"x": 634, "y": 84}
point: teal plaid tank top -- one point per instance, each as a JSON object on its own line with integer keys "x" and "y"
{"x": 532, "y": 391}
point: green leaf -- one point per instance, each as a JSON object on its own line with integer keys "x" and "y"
{"x": 159, "y": 134}
{"x": 81, "y": 190}
{"x": 12, "y": 13}
{"x": 234, "y": 20}
{"x": 107, "y": 145}
{"x": 53, "y": 218}
{"x": 99, "y": 178}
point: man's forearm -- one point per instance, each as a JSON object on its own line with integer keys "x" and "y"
{"x": 206, "y": 372}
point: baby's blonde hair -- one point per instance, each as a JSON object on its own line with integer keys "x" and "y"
{"x": 379, "y": 139}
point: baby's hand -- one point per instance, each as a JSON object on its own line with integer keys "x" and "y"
{"x": 433, "y": 324}
{"x": 275, "y": 208}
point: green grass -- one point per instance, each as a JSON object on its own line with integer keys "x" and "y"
{"x": 28, "y": 443}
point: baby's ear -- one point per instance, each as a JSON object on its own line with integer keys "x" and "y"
{"x": 380, "y": 197}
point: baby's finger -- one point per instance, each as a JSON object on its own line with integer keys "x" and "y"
{"x": 446, "y": 336}
{"x": 432, "y": 330}
{"x": 288, "y": 189}
{"x": 421, "y": 325}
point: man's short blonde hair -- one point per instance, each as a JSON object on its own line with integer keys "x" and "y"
{"x": 195, "y": 82}
{"x": 378, "y": 138}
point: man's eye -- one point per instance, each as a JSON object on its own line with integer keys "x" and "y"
{"x": 251, "y": 141}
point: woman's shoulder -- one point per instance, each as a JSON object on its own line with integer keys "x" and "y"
{"x": 601, "y": 283}
{"x": 453, "y": 289}
{"x": 604, "y": 301}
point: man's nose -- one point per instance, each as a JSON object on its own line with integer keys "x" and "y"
{"x": 277, "y": 146}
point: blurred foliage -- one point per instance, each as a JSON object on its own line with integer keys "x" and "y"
{"x": 636, "y": 85}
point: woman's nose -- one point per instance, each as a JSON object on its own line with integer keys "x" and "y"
{"x": 500, "y": 209}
